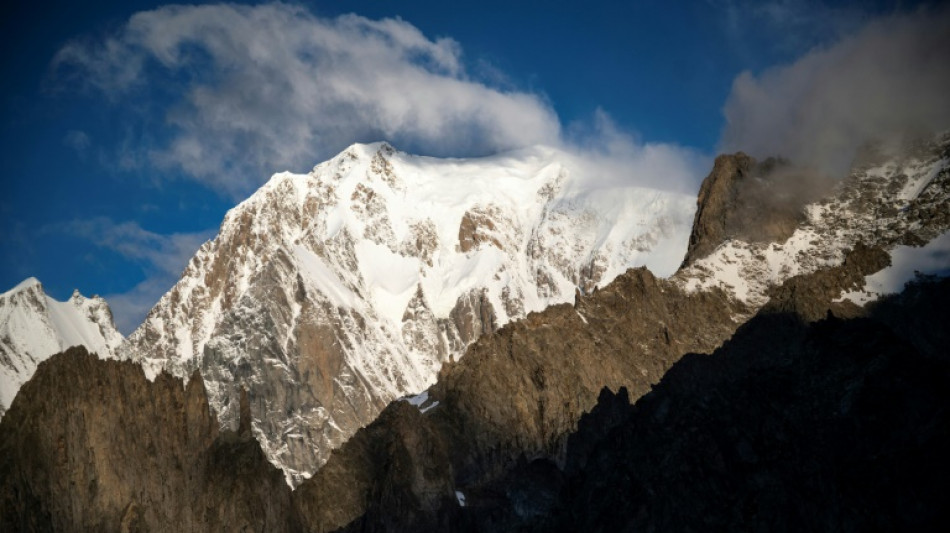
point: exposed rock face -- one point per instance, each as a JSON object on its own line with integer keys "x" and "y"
{"x": 34, "y": 326}
{"x": 478, "y": 226}
{"x": 112, "y": 451}
{"x": 715, "y": 203}
{"x": 516, "y": 394}
{"x": 505, "y": 410}
{"x": 790, "y": 425}
{"x": 812, "y": 296}
{"x": 330, "y": 294}
{"x": 743, "y": 199}
{"x": 784, "y": 411}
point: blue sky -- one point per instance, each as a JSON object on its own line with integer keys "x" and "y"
{"x": 128, "y": 129}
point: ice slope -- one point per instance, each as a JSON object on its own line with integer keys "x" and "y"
{"x": 329, "y": 294}
{"x": 34, "y": 326}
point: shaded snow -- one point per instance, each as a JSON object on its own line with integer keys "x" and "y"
{"x": 907, "y": 263}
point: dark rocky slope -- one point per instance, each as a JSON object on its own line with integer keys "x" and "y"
{"x": 490, "y": 424}
{"x": 791, "y": 426}
{"x": 516, "y": 394}
{"x": 91, "y": 445}
{"x": 749, "y": 200}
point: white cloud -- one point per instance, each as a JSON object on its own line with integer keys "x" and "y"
{"x": 255, "y": 90}
{"x": 888, "y": 80}
{"x": 241, "y": 92}
{"x": 619, "y": 157}
{"x": 161, "y": 257}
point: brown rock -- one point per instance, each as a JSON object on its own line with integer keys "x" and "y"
{"x": 477, "y": 227}
{"x": 91, "y": 445}
{"x": 755, "y": 202}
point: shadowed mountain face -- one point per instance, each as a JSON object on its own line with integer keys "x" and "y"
{"x": 91, "y": 445}
{"x": 788, "y": 427}
{"x": 791, "y": 425}
{"x": 516, "y": 394}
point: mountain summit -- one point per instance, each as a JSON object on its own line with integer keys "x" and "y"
{"x": 34, "y": 326}
{"x": 327, "y": 295}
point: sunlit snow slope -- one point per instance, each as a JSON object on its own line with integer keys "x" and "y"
{"x": 34, "y": 326}
{"x": 327, "y": 295}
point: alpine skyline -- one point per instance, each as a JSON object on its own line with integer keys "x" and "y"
{"x": 129, "y": 130}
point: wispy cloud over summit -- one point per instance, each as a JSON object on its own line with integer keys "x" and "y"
{"x": 252, "y": 90}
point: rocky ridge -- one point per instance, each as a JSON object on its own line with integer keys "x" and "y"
{"x": 789, "y": 426}
{"x": 34, "y": 326}
{"x": 115, "y": 452}
{"x": 500, "y": 442}
{"x": 518, "y": 393}
{"x": 330, "y": 294}
{"x": 885, "y": 201}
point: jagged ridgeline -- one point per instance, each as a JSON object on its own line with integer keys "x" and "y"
{"x": 330, "y": 294}
{"x": 796, "y": 420}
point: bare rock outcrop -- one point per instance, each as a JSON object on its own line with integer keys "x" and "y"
{"x": 515, "y": 396}
{"x": 745, "y": 199}
{"x": 92, "y": 445}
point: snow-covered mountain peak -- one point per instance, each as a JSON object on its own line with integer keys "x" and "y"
{"x": 329, "y": 294}
{"x": 34, "y": 326}
{"x": 29, "y": 283}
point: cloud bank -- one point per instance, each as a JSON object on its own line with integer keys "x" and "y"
{"x": 887, "y": 81}
{"x": 248, "y": 91}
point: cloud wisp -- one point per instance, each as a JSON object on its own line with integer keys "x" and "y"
{"x": 240, "y": 92}
{"x": 249, "y": 91}
{"x": 162, "y": 259}
{"x": 886, "y": 82}
{"x": 254, "y": 90}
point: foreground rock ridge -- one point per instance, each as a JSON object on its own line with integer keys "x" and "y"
{"x": 92, "y": 445}
{"x": 330, "y": 294}
{"x": 790, "y": 424}
{"x": 814, "y": 393}
{"x": 34, "y": 326}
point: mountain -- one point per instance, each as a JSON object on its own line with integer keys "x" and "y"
{"x": 486, "y": 449}
{"x": 330, "y": 294}
{"x": 775, "y": 401}
{"x": 34, "y": 326}
{"x": 886, "y": 201}
{"x": 789, "y": 426}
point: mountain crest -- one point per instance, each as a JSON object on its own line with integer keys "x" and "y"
{"x": 34, "y": 326}
{"x": 328, "y": 295}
